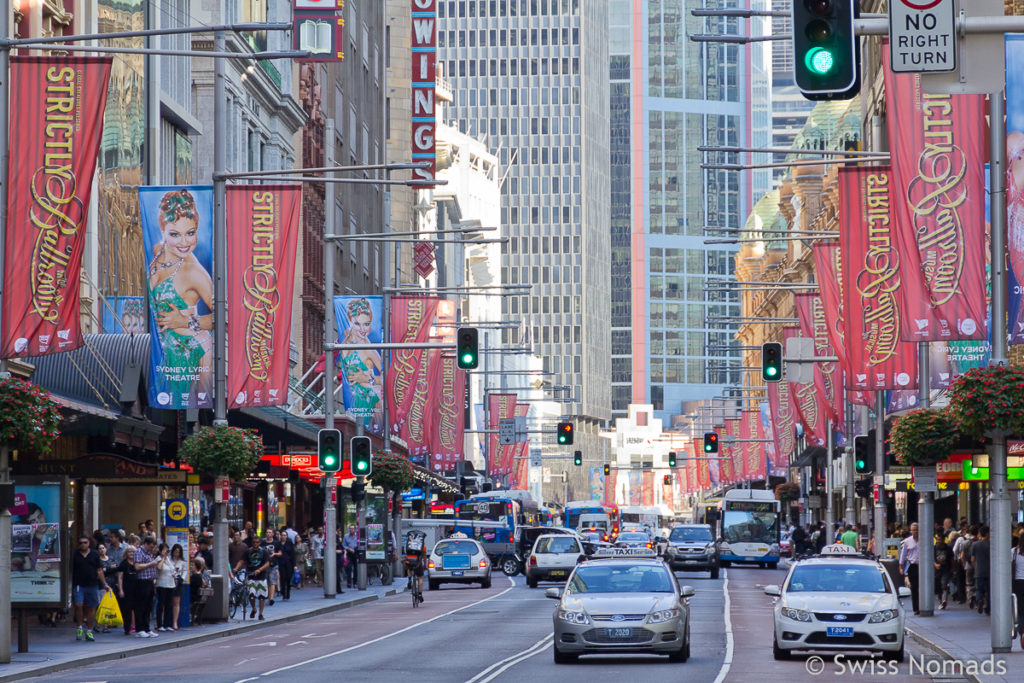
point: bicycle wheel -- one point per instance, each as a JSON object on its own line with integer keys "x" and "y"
{"x": 233, "y": 609}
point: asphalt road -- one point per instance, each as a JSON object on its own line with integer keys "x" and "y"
{"x": 471, "y": 635}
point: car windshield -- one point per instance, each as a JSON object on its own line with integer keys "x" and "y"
{"x": 556, "y": 544}
{"x": 592, "y": 536}
{"x": 837, "y": 578}
{"x": 634, "y": 537}
{"x": 455, "y": 547}
{"x": 620, "y": 579}
{"x": 690, "y": 533}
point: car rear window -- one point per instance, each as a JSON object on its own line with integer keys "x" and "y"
{"x": 557, "y": 544}
{"x": 691, "y": 533}
{"x": 635, "y": 538}
{"x": 455, "y": 548}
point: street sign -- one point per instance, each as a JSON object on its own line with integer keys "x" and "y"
{"x": 507, "y": 431}
{"x": 521, "y": 434}
{"x": 535, "y": 458}
{"x": 925, "y": 479}
{"x": 922, "y": 36}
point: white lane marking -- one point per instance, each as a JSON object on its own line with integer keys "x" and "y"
{"x": 297, "y": 642}
{"x": 269, "y": 643}
{"x": 320, "y": 635}
{"x": 727, "y": 663}
{"x": 520, "y": 656}
{"x": 377, "y": 640}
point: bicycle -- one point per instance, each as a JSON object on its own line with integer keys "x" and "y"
{"x": 239, "y": 596}
{"x": 414, "y": 588}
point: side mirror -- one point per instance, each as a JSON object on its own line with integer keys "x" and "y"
{"x": 553, "y": 593}
{"x": 773, "y": 590}
{"x": 903, "y": 592}
{"x": 687, "y": 591}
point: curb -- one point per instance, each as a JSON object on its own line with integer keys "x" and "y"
{"x": 192, "y": 638}
{"x": 939, "y": 651}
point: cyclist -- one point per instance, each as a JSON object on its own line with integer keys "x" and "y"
{"x": 416, "y": 558}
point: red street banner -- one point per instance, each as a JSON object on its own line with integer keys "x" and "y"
{"x": 446, "y": 438}
{"x": 262, "y": 234}
{"x": 827, "y": 376}
{"x": 56, "y": 122}
{"x": 416, "y": 430}
{"x": 754, "y": 454}
{"x": 609, "y": 487}
{"x": 877, "y": 356}
{"x": 509, "y": 452}
{"x": 703, "y": 468}
{"x": 647, "y": 487}
{"x": 500, "y": 406}
{"x": 411, "y": 318}
{"x": 810, "y": 407}
{"x": 828, "y": 265}
{"x": 939, "y": 205}
{"x": 780, "y": 404}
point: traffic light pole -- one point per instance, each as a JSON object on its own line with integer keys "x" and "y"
{"x": 330, "y": 511}
{"x": 925, "y": 502}
{"x": 879, "y": 535}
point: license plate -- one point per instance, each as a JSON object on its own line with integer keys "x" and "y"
{"x": 558, "y": 572}
{"x": 839, "y": 632}
{"x": 690, "y": 562}
{"x": 458, "y": 573}
{"x": 619, "y": 632}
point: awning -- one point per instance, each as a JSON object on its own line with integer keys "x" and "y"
{"x": 808, "y": 456}
{"x": 281, "y": 419}
{"x": 424, "y": 475}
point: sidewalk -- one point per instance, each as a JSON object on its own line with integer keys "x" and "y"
{"x": 964, "y": 636}
{"x": 55, "y": 649}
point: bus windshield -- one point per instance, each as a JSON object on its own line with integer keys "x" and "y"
{"x": 572, "y": 515}
{"x": 485, "y": 511}
{"x": 760, "y": 525}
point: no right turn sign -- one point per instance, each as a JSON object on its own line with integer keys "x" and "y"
{"x": 922, "y": 36}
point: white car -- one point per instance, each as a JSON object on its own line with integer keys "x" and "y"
{"x": 458, "y": 560}
{"x": 553, "y": 558}
{"x": 838, "y": 601}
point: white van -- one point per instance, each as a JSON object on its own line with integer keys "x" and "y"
{"x": 594, "y": 521}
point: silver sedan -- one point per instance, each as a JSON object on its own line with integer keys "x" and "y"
{"x": 630, "y": 604}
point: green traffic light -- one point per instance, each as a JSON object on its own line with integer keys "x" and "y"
{"x": 467, "y": 358}
{"x": 820, "y": 61}
{"x": 772, "y": 371}
{"x": 329, "y": 460}
{"x": 860, "y": 464}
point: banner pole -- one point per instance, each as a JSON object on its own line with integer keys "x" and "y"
{"x": 330, "y": 574}
{"x": 925, "y": 502}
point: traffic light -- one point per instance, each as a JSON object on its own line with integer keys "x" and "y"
{"x": 710, "y": 442}
{"x": 607, "y": 470}
{"x": 771, "y": 361}
{"x": 667, "y": 480}
{"x": 826, "y": 52}
{"x": 671, "y": 458}
{"x": 362, "y": 460}
{"x": 564, "y": 433}
{"x": 577, "y": 458}
{"x": 328, "y": 450}
{"x": 467, "y": 342}
{"x": 864, "y": 487}
{"x": 863, "y": 455}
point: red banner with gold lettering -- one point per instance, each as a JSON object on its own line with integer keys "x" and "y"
{"x": 872, "y": 270}
{"x": 754, "y": 451}
{"x": 610, "y": 482}
{"x": 783, "y": 421}
{"x": 810, "y": 311}
{"x": 448, "y": 384}
{"x": 56, "y": 122}
{"x": 500, "y": 407}
{"x": 417, "y": 428}
{"x": 262, "y": 236}
{"x": 411, "y": 318}
{"x": 938, "y": 200}
{"x": 647, "y": 488}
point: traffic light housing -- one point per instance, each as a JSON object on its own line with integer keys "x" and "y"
{"x": 468, "y": 347}
{"x": 607, "y": 470}
{"x": 577, "y": 458}
{"x": 565, "y": 433}
{"x": 826, "y": 52}
{"x": 328, "y": 450}
{"x": 362, "y": 459}
{"x": 667, "y": 480}
{"x": 771, "y": 361}
{"x": 864, "y": 488}
{"x": 671, "y": 458}
{"x": 710, "y": 442}
{"x": 863, "y": 455}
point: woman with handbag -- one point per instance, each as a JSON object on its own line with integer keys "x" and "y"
{"x": 179, "y": 571}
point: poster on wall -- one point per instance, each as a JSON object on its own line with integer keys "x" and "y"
{"x": 37, "y": 545}
{"x": 177, "y": 231}
{"x": 360, "y": 321}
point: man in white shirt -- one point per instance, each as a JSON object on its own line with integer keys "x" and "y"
{"x": 316, "y": 546}
{"x": 909, "y": 550}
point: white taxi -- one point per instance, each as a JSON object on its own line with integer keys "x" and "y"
{"x": 838, "y": 601}
{"x": 552, "y": 558}
{"x": 458, "y": 559}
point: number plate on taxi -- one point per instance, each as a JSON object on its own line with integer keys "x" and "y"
{"x": 458, "y": 572}
{"x": 839, "y": 632}
{"x": 619, "y": 632}
{"x": 558, "y": 572}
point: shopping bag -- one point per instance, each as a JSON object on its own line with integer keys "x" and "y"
{"x": 296, "y": 577}
{"x": 108, "y": 613}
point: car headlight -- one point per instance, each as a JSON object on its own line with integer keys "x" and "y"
{"x": 662, "y": 615}
{"x": 883, "y": 616}
{"x": 709, "y": 548}
{"x": 796, "y": 614}
{"x": 573, "y": 617}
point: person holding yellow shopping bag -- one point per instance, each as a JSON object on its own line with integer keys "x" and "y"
{"x": 108, "y": 613}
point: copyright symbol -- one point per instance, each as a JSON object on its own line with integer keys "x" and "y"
{"x": 814, "y": 665}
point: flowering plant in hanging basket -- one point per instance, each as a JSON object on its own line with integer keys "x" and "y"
{"x": 988, "y": 399}
{"x": 923, "y": 437}
{"x": 223, "y": 450}
{"x": 787, "y": 491}
{"x": 392, "y": 471}
{"x": 29, "y": 417}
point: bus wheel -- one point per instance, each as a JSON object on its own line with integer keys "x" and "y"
{"x": 510, "y": 566}
{"x": 773, "y": 565}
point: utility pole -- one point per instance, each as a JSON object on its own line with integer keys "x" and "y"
{"x": 329, "y": 482}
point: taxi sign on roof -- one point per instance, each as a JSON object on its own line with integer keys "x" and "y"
{"x": 458, "y": 534}
{"x": 839, "y": 549}
{"x": 624, "y": 552}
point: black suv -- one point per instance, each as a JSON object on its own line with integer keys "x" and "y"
{"x": 692, "y": 547}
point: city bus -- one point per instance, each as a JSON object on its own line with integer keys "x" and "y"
{"x": 588, "y": 514}
{"x": 508, "y": 510}
{"x": 749, "y": 527}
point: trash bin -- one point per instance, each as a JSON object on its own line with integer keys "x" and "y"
{"x": 215, "y": 606}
